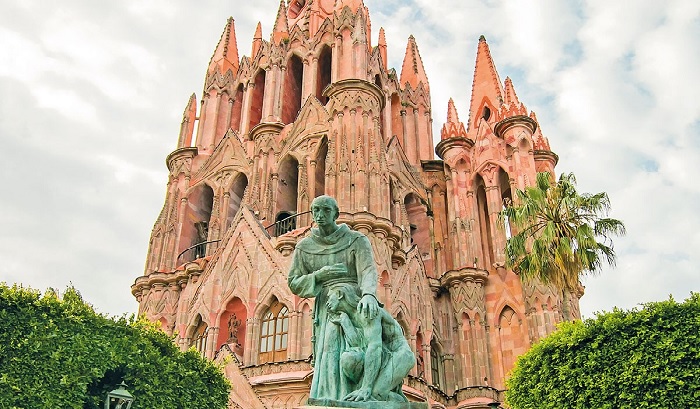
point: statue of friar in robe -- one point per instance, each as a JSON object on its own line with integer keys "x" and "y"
{"x": 359, "y": 351}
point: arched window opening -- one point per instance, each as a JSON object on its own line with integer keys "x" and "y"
{"x": 486, "y": 113}
{"x": 396, "y": 121}
{"x": 385, "y": 289}
{"x": 440, "y": 226}
{"x": 401, "y": 319}
{"x": 232, "y": 327}
{"x": 394, "y": 209}
{"x": 378, "y": 82}
{"x": 484, "y": 223}
{"x": 437, "y": 370}
{"x": 419, "y": 226}
{"x": 512, "y": 338}
{"x": 320, "y": 179}
{"x": 195, "y": 228}
{"x": 284, "y": 223}
{"x": 236, "y": 197}
{"x": 287, "y": 186}
{"x": 323, "y": 77}
{"x": 274, "y": 332}
{"x": 291, "y": 100}
{"x": 506, "y": 199}
{"x": 199, "y": 336}
{"x": 222, "y": 115}
{"x": 236, "y": 109}
{"x": 256, "y": 106}
{"x": 420, "y": 361}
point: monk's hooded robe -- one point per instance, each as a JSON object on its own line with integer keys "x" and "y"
{"x": 353, "y": 250}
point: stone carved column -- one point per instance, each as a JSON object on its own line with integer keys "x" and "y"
{"x": 427, "y": 364}
{"x": 467, "y": 293}
{"x": 212, "y": 337}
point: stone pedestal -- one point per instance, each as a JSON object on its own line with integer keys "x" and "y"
{"x": 329, "y": 403}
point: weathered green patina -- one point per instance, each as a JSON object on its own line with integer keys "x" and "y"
{"x": 360, "y": 353}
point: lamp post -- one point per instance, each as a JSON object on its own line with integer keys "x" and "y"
{"x": 119, "y": 398}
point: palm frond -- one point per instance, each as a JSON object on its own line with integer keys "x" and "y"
{"x": 561, "y": 234}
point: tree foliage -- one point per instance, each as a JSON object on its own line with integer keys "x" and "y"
{"x": 561, "y": 234}
{"x": 57, "y": 352}
{"x": 647, "y": 358}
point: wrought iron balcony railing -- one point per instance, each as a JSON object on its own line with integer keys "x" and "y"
{"x": 196, "y": 251}
{"x": 285, "y": 225}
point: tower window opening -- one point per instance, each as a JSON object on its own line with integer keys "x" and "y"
{"x": 236, "y": 193}
{"x": 236, "y": 109}
{"x": 323, "y": 77}
{"x": 195, "y": 231}
{"x": 320, "y": 178}
{"x": 287, "y": 187}
{"x": 292, "y": 89}
{"x": 506, "y": 199}
{"x": 486, "y": 113}
{"x": 256, "y": 107}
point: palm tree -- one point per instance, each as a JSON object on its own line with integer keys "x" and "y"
{"x": 561, "y": 234}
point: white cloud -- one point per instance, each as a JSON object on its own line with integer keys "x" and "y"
{"x": 125, "y": 171}
{"x": 67, "y": 102}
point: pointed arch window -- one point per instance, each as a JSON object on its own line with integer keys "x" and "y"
{"x": 323, "y": 76}
{"x": 292, "y": 89}
{"x": 506, "y": 199}
{"x": 256, "y": 107}
{"x": 436, "y": 368}
{"x": 274, "y": 333}
{"x": 199, "y": 337}
{"x": 195, "y": 229}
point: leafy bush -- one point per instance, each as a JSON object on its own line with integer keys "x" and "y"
{"x": 57, "y": 352}
{"x": 647, "y": 358}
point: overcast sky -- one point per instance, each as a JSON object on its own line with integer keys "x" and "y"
{"x": 92, "y": 94}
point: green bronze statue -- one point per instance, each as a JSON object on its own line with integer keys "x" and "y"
{"x": 359, "y": 351}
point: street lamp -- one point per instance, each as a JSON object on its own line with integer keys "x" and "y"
{"x": 119, "y": 398}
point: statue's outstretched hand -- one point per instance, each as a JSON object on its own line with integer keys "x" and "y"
{"x": 368, "y": 306}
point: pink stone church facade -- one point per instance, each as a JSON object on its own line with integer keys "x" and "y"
{"x": 316, "y": 110}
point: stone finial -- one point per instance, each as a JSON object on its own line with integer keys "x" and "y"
{"x": 382, "y": 46}
{"x": 257, "y": 41}
{"x": 412, "y": 70}
{"x": 281, "y": 28}
{"x": 453, "y": 128}
{"x": 226, "y": 53}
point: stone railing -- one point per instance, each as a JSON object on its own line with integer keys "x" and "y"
{"x": 437, "y": 395}
{"x": 272, "y": 368}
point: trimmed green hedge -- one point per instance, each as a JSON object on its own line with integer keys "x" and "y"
{"x": 57, "y": 352}
{"x": 646, "y": 358}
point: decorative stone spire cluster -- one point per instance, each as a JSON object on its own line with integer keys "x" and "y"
{"x": 494, "y": 108}
{"x": 453, "y": 128}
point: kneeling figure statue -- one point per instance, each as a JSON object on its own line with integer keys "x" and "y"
{"x": 359, "y": 351}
